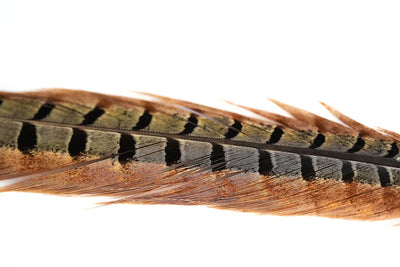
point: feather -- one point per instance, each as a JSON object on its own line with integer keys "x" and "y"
{"x": 168, "y": 151}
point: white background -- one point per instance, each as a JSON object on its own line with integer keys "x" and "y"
{"x": 345, "y": 53}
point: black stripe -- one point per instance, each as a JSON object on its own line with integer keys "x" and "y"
{"x": 275, "y": 136}
{"x": 172, "y": 152}
{"x": 234, "y": 129}
{"x": 92, "y": 116}
{"x": 190, "y": 125}
{"x": 27, "y": 138}
{"x": 1, "y": 102}
{"x": 217, "y": 158}
{"x": 384, "y": 176}
{"x": 318, "y": 141}
{"x": 264, "y": 162}
{"x": 347, "y": 172}
{"x": 143, "y": 122}
{"x": 357, "y": 146}
{"x": 77, "y": 144}
{"x": 393, "y": 151}
{"x": 43, "y": 111}
{"x": 126, "y": 148}
{"x": 307, "y": 168}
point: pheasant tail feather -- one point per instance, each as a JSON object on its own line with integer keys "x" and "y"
{"x": 169, "y": 151}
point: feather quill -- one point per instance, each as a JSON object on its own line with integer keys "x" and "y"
{"x": 169, "y": 151}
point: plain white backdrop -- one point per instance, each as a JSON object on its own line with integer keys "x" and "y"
{"x": 345, "y": 53}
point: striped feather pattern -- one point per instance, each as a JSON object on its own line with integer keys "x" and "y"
{"x": 174, "y": 152}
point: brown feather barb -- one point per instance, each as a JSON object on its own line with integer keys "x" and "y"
{"x": 169, "y": 151}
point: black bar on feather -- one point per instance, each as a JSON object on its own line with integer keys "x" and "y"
{"x": 190, "y": 125}
{"x": 318, "y": 141}
{"x": 126, "y": 149}
{"x": 347, "y": 171}
{"x": 234, "y": 129}
{"x": 43, "y": 111}
{"x": 275, "y": 136}
{"x": 307, "y": 168}
{"x": 357, "y": 146}
{"x": 172, "y": 152}
{"x": 144, "y": 121}
{"x": 394, "y": 150}
{"x": 217, "y": 158}
{"x": 92, "y": 116}
{"x": 384, "y": 176}
{"x": 265, "y": 165}
{"x": 27, "y": 138}
{"x": 77, "y": 144}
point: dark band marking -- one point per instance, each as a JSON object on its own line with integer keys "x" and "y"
{"x": 126, "y": 148}
{"x": 27, "y": 138}
{"x": 190, "y": 125}
{"x": 77, "y": 144}
{"x": 275, "y": 136}
{"x": 234, "y": 129}
{"x": 92, "y": 116}
{"x": 1, "y": 102}
{"x": 43, "y": 111}
{"x": 347, "y": 172}
{"x": 217, "y": 158}
{"x": 144, "y": 121}
{"x": 318, "y": 141}
{"x": 357, "y": 146}
{"x": 172, "y": 152}
{"x": 307, "y": 168}
{"x": 393, "y": 151}
{"x": 384, "y": 176}
{"x": 264, "y": 162}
